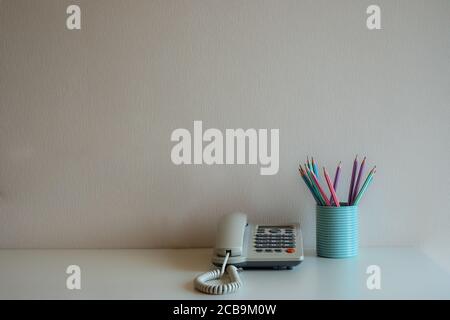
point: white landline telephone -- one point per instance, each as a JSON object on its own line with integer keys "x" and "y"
{"x": 247, "y": 246}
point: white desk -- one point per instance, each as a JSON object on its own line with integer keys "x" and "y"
{"x": 168, "y": 274}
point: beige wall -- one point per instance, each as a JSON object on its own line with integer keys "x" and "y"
{"x": 86, "y": 116}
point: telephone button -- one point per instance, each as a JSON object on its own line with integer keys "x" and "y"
{"x": 261, "y": 245}
{"x": 268, "y": 250}
{"x": 291, "y": 244}
{"x": 258, "y": 250}
{"x": 290, "y": 250}
{"x": 277, "y": 250}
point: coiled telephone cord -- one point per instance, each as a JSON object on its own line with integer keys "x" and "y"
{"x": 214, "y": 282}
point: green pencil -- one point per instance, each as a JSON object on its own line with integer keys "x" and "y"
{"x": 308, "y": 176}
{"x": 308, "y": 184}
{"x": 364, "y": 187}
{"x": 322, "y": 201}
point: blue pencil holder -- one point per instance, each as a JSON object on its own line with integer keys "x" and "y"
{"x": 337, "y": 234}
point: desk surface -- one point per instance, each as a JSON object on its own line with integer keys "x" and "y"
{"x": 167, "y": 274}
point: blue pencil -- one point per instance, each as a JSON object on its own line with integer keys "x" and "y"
{"x": 310, "y": 185}
{"x": 315, "y": 168}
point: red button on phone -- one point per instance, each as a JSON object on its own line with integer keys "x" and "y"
{"x": 290, "y": 250}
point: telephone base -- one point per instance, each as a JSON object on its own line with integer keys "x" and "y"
{"x": 257, "y": 246}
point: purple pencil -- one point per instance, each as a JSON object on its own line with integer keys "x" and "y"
{"x": 336, "y": 179}
{"x": 358, "y": 180}
{"x": 352, "y": 181}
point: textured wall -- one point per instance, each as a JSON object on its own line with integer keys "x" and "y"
{"x": 86, "y": 116}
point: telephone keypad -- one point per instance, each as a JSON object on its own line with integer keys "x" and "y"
{"x": 279, "y": 239}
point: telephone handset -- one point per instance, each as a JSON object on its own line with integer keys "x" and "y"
{"x": 243, "y": 245}
{"x": 230, "y": 234}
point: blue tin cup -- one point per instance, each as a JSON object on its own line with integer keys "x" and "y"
{"x": 337, "y": 234}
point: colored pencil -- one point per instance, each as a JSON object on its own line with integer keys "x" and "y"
{"x": 308, "y": 163}
{"x": 358, "y": 180}
{"x": 336, "y": 178}
{"x": 365, "y": 185}
{"x": 330, "y": 186}
{"x": 319, "y": 196}
{"x": 352, "y": 181}
{"x": 308, "y": 184}
{"x": 322, "y": 193}
{"x": 315, "y": 168}
{"x": 336, "y": 175}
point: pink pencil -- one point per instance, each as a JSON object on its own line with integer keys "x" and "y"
{"x": 330, "y": 186}
{"x": 316, "y": 182}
